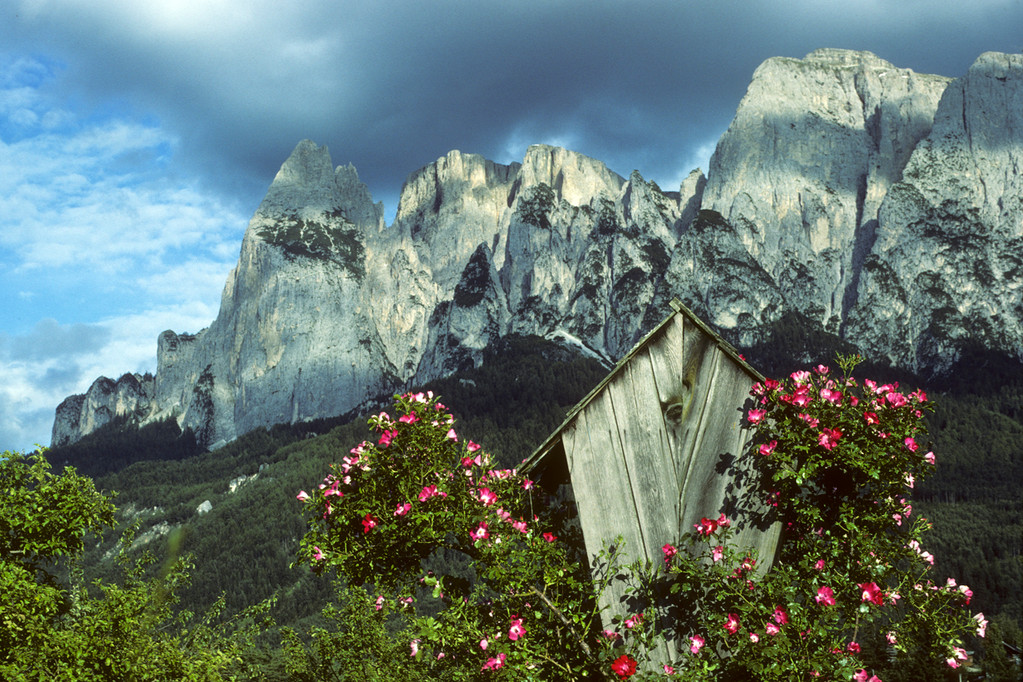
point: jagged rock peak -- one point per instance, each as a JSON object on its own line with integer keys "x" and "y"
{"x": 993, "y": 101}
{"x": 424, "y": 190}
{"x": 574, "y": 177}
{"x": 106, "y": 399}
{"x": 805, "y": 164}
{"x": 305, "y": 177}
{"x": 307, "y": 181}
{"x": 945, "y": 272}
{"x": 837, "y": 57}
{"x": 842, "y": 190}
{"x": 354, "y": 196}
{"x": 1000, "y": 64}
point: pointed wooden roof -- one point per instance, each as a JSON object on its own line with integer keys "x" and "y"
{"x": 679, "y": 308}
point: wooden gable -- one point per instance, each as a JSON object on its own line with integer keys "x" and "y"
{"x": 657, "y": 445}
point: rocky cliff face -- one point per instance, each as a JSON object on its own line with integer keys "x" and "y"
{"x": 808, "y": 159}
{"x": 884, "y": 204}
{"x": 946, "y": 269}
{"x": 106, "y": 400}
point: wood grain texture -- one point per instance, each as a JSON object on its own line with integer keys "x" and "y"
{"x": 660, "y": 445}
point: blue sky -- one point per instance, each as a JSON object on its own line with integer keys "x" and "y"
{"x": 137, "y": 138}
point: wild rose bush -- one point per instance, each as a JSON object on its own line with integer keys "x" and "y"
{"x": 837, "y": 461}
{"x": 525, "y": 611}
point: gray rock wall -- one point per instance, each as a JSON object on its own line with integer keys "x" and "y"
{"x": 946, "y": 269}
{"x": 884, "y": 204}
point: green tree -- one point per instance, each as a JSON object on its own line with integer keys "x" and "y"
{"x": 998, "y": 664}
{"x": 53, "y": 628}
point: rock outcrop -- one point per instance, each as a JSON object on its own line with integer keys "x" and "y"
{"x": 885, "y": 205}
{"x": 131, "y": 396}
{"x": 946, "y": 270}
{"x": 802, "y": 170}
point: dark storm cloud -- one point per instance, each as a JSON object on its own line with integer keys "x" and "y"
{"x": 390, "y": 86}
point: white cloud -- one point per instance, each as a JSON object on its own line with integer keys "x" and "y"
{"x": 101, "y": 197}
{"x": 96, "y": 227}
{"x": 196, "y": 280}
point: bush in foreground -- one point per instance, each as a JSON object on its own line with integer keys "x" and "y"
{"x": 836, "y": 460}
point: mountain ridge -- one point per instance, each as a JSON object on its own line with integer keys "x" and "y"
{"x": 845, "y": 189}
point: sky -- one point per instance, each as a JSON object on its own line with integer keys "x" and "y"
{"x": 137, "y": 138}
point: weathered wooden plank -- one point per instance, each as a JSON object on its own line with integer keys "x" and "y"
{"x": 708, "y": 430}
{"x": 712, "y": 441}
{"x": 730, "y": 433}
{"x": 659, "y": 444}
{"x": 648, "y": 459}
{"x": 635, "y": 412}
{"x": 674, "y": 364}
{"x": 649, "y": 466}
{"x": 604, "y": 498}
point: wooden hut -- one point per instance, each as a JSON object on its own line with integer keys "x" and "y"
{"x": 657, "y": 445}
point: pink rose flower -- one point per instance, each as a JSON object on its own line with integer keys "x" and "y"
{"x": 981, "y": 624}
{"x": 669, "y": 551}
{"x": 487, "y": 497}
{"x": 800, "y": 377}
{"x": 871, "y": 593}
{"x": 829, "y": 438}
{"x": 494, "y": 663}
{"x": 633, "y": 621}
{"x": 516, "y": 630}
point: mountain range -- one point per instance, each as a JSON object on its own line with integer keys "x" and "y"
{"x": 880, "y": 205}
